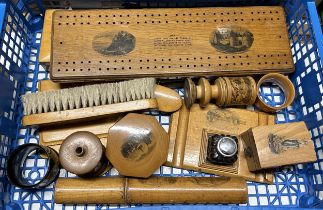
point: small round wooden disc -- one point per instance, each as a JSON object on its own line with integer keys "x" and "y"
{"x": 189, "y": 92}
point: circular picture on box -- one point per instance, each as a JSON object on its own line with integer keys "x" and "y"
{"x": 231, "y": 39}
{"x": 114, "y": 43}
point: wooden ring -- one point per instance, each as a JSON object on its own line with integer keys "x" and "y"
{"x": 284, "y": 83}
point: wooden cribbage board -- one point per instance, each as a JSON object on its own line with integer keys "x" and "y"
{"x": 188, "y": 139}
{"x": 122, "y": 44}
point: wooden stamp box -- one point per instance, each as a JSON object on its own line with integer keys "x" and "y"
{"x": 278, "y": 145}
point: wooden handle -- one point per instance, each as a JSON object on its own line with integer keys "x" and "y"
{"x": 168, "y": 100}
{"x": 50, "y": 118}
{"x": 115, "y": 190}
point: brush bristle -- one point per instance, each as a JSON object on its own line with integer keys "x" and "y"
{"x": 88, "y": 96}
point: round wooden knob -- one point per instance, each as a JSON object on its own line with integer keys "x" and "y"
{"x": 82, "y": 153}
{"x": 137, "y": 145}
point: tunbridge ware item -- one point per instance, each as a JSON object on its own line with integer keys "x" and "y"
{"x": 54, "y": 135}
{"x": 284, "y": 84}
{"x": 18, "y": 158}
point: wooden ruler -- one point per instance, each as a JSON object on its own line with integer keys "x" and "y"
{"x": 121, "y": 44}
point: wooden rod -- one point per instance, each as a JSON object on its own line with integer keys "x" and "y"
{"x": 118, "y": 190}
{"x": 181, "y": 135}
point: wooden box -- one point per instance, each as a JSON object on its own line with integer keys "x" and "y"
{"x": 277, "y": 145}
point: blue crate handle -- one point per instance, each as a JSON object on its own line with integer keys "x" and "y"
{"x": 316, "y": 25}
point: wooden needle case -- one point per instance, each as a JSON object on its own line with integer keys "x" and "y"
{"x": 277, "y": 145}
{"x": 117, "y": 190}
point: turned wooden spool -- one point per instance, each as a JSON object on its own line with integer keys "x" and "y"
{"x": 227, "y": 91}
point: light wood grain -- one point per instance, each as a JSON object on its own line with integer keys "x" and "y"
{"x": 168, "y": 42}
{"x": 137, "y": 145}
{"x": 88, "y": 113}
{"x": 188, "y": 142}
{"x": 226, "y": 91}
{"x": 117, "y": 190}
{"x": 286, "y": 86}
{"x": 46, "y": 39}
{"x": 179, "y": 148}
{"x": 54, "y": 135}
{"x": 278, "y": 145}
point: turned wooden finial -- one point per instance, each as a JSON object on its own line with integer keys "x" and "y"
{"x": 227, "y": 91}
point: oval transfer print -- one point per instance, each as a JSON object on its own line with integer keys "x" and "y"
{"x": 114, "y": 43}
{"x": 231, "y": 39}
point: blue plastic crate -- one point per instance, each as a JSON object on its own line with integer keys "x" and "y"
{"x": 295, "y": 187}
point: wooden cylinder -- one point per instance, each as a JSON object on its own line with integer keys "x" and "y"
{"x": 187, "y": 190}
{"x": 117, "y": 190}
{"x": 235, "y": 91}
{"x": 227, "y": 91}
{"x": 94, "y": 190}
{"x": 181, "y": 135}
